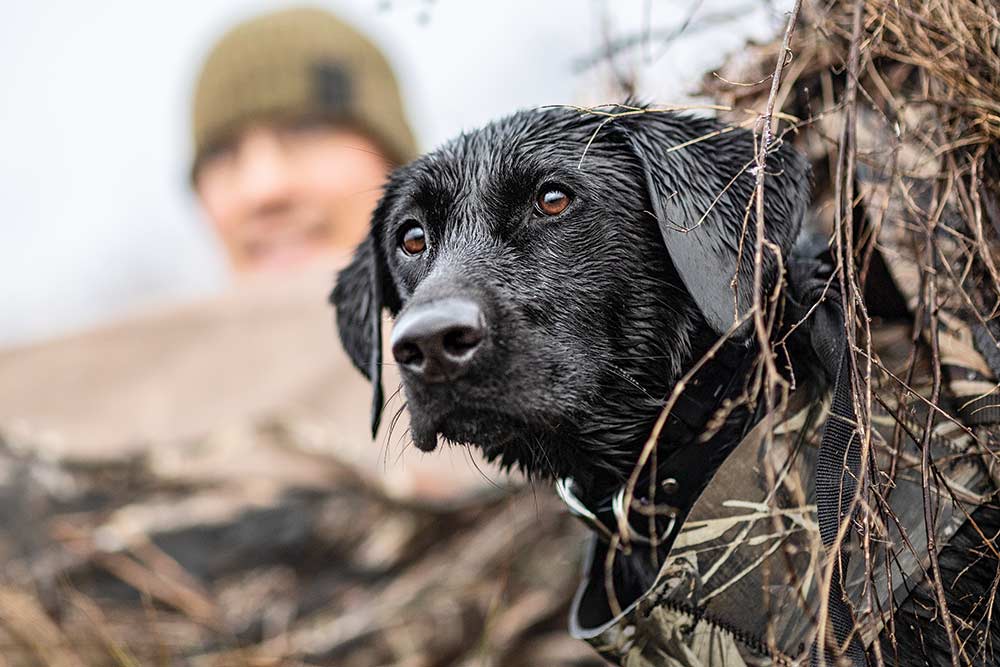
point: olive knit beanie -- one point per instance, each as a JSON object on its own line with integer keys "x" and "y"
{"x": 299, "y": 63}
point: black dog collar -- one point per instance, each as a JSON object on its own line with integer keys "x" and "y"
{"x": 690, "y": 460}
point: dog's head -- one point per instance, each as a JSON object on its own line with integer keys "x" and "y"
{"x": 552, "y": 274}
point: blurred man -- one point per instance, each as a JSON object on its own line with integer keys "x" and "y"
{"x": 297, "y": 118}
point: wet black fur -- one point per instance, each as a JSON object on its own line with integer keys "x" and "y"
{"x": 594, "y": 314}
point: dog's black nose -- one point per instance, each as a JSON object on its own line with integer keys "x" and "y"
{"x": 438, "y": 340}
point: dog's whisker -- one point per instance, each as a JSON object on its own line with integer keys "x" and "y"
{"x": 482, "y": 473}
{"x": 392, "y": 428}
{"x": 643, "y": 357}
{"x": 407, "y": 441}
{"x": 631, "y": 380}
{"x": 392, "y": 424}
{"x": 552, "y": 467}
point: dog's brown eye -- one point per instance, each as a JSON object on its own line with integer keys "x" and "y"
{"x": 552, "y": 200}
{"x": 412, "y": 239}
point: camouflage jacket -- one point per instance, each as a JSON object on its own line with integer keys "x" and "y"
{"x": 746, "y": 579}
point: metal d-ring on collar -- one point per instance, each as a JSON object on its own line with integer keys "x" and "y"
{"x": 564, "y": 489}
{"x": 618, "y": 508}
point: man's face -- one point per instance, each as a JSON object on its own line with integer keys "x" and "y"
{"x": 284, "y": 195}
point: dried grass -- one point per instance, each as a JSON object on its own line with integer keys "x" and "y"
{"x": 897, "y": 103}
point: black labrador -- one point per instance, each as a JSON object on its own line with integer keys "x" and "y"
{"x": 541, "y": 313}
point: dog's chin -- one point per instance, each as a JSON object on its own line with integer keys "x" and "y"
{"x": 425, "y": 439}
{"x": 470, "y": 427}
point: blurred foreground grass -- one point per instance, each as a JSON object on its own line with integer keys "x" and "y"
{"x": 132, "y": 562}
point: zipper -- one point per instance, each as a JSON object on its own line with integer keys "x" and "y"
{"x": 754, "y": 642}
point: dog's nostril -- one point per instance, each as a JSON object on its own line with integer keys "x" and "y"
{"x": 460, "y": 340}
{"x": 407, "y": 353}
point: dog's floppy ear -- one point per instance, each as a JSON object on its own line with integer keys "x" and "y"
{"x": 699, "y": 189}
{"x": 363, "y": 289}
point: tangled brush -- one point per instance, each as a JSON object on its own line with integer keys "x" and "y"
{"x": 897, "y": 104}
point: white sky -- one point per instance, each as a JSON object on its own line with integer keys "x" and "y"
{"x": 97, "y": 219}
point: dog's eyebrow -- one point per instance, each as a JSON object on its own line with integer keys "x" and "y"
{"x": 422, "y": 190}
{"x": 435, "y": 198}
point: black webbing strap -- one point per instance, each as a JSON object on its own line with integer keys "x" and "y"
{"x": 979, "y": 411}
{"x": 985, "y": 343}
{"x": 837, "y": 469}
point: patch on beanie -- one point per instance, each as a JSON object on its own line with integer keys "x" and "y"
{"x": 333, "y": 86}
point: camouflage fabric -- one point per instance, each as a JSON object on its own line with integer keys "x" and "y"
{"x": 743, "y": 583}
